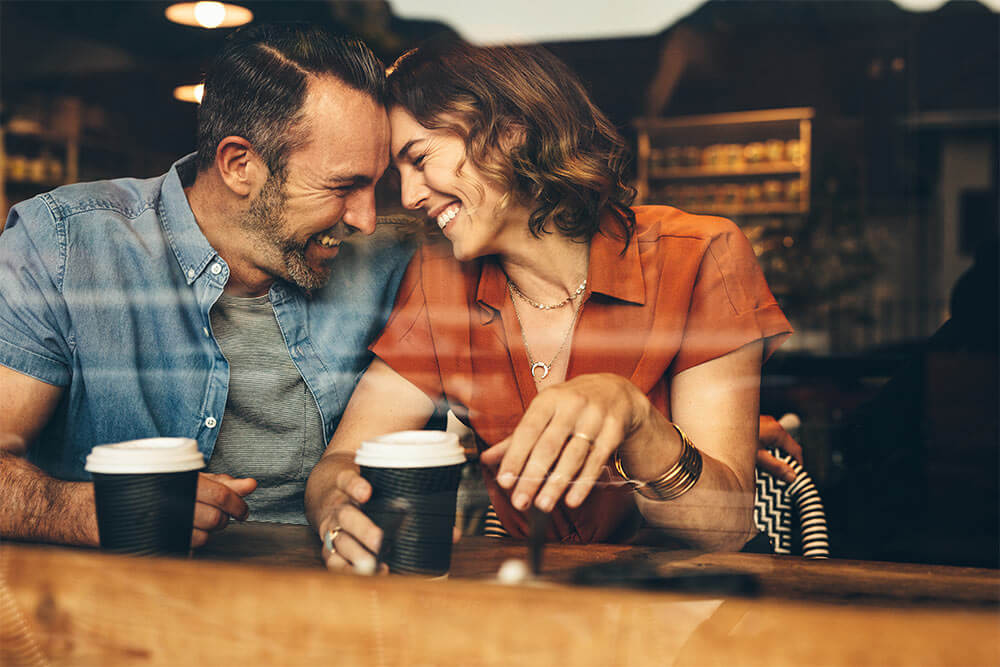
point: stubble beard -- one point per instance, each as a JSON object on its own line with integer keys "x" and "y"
{"x": 266, "y": 221}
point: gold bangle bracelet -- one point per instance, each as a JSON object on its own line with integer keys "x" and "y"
{"x": 678, "y": 478}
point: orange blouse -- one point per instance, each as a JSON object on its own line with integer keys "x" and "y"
{"x": 686, "y": 290}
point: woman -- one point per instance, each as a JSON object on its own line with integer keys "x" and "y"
{"x": 574, "y": 334}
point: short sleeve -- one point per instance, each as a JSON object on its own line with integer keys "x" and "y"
{"x": 34, "y": 321}
{"x": 731, "y": 304}
{"x": 407, "y": 344}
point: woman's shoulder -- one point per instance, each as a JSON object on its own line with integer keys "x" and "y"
{"x": 657, "y": 222}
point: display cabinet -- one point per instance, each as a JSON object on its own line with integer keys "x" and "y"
{"x": 39, "y": 150}
{"x": 734, "y": 164}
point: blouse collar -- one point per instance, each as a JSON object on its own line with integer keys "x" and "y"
{"x": 615, "y": 270}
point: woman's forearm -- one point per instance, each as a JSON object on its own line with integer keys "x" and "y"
{"x": 715, "y": 514}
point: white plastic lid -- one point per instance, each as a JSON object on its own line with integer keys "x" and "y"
{"x": 411, "y": 449}
{"x": 150, "y": 455}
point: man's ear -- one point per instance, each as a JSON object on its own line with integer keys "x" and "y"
{"x": 241, "y": 169}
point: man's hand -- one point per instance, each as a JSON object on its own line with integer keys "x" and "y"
{"x": 350, "y": 538}
{"x": 219, "y": 498}
{"x": 773, "y": 434}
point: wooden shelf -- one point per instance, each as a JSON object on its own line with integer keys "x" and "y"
{"x": 767, "y": 208}
{"x": 32, "y": 183}
{"x": 732, "y": 118}
{"x": 38, "y": 135}
{"x": 783, "y": 167}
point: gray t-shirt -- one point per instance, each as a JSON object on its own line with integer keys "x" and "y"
{"x": 271, "y": 429}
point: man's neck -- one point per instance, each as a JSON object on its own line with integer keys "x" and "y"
{"x": 217, "y": 211}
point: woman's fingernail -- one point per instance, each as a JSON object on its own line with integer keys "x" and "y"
{"x": 521, "y": 501}
{"x": 544, "y": 503}
{"x": 506, "y": 480}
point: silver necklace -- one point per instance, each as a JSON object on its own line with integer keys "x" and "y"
{"x": 541, "y": 365}
{"x": 543, "y": 306}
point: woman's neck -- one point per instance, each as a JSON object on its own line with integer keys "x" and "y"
{"x": 547, "y": 269}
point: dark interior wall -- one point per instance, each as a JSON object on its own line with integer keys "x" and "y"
{"x": 124, "y": 58}
{"x": 834, "y": 56}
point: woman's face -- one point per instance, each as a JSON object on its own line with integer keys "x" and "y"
{"x": 436, "y": 176}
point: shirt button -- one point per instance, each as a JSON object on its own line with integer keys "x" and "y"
{"x": 216, "y": 269}
{"x": 190, "y": 273}
{"x": 210, "y": 422}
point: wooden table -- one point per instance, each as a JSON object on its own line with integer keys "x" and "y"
{"x": 258, "y": 594}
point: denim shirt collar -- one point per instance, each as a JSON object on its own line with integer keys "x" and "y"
{"x": 191, "y": 248}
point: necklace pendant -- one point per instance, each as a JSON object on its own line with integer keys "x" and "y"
{"x": 544, "y": 368}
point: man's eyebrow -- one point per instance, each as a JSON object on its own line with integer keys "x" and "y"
{"x": 354, "y": 179}
{"x": 406, "y": 148}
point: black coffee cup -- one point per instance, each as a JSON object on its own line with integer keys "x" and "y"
{"x": 145, "y": 494}
{"x": 414, "y": 477}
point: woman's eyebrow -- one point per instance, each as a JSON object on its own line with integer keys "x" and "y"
{"x": 406, "y": 148}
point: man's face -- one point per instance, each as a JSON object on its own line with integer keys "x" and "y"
{"x": 327, "y": 190}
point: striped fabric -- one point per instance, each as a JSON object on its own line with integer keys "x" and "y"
{"x": 778, "y": 502}
{"x": 493, "y": 527}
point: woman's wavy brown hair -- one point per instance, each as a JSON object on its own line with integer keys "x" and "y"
{"x": 528, "y": 125}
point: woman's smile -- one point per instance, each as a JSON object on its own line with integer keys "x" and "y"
{"x": 448, "y": 215}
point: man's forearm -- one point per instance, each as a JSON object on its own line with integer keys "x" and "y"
{"x": 34, "y": 506}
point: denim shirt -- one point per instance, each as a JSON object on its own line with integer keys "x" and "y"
{"x": 106, "y": 288}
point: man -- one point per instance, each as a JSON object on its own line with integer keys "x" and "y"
{"x": 223, "y": 301}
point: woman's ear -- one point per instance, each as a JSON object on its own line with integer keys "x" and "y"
{"x": 239, "y": 166}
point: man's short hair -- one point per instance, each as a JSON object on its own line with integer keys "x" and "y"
{"x": 256, "y": 87}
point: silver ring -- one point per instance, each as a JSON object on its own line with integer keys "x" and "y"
{"x": 584, "y": 436}
{"x": 330, "y": 536}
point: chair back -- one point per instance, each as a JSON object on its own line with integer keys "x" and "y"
{"x": 792, "y": 514}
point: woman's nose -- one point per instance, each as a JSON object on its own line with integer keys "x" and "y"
{"x": 413, "y": 192}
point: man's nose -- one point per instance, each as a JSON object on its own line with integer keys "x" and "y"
{"x": 413, "y": 192}
{"x": 360, "y": 213}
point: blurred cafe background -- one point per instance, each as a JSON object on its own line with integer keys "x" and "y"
{"x": 855, "y": 143}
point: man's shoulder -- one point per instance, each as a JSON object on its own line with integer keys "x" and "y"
{"x": 126, "y": 197}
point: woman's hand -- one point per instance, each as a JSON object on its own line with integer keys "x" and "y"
{"x": 565, "y": 438}
{"x": 350, "y": 538}
{"x": 383, "y": 402}
{"x": 773, "y": 434}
